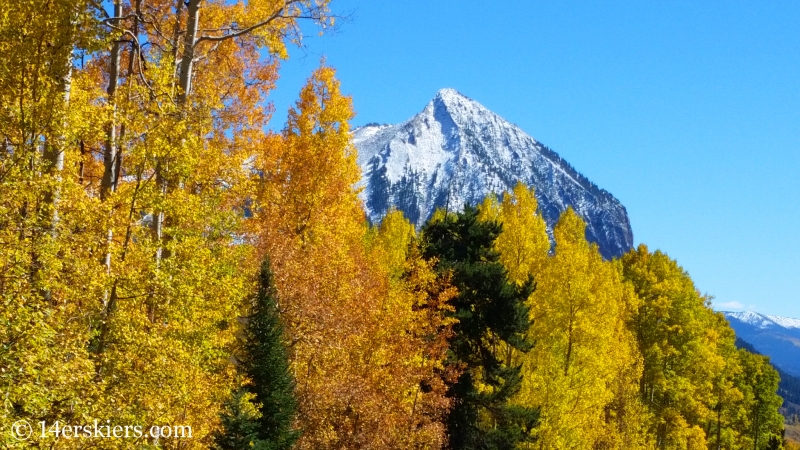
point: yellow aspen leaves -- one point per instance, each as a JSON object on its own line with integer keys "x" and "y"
{"x": 524, "y": 244}
{"x": 140, "y": 190}
{"x": 584, "y": 361}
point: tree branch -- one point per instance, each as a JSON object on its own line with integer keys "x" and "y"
{"x": 278, "y": 15}
{"x": 114, "y": 19}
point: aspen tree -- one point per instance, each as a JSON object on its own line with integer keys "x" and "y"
{"x": 46, "y": 270}
{"x": 674, "y": 329}
{"x": 363, "y": 318}
{"x": 523, "y": 244}
{"x": 584, "y": 361}
{"x": 761, "y": 422}
{"x": 171, "y": 144}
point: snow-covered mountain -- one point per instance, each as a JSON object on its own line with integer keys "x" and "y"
{"x": 762, "y": 321}
{"x": 456, "y": 151}
{"x": 775, "y": 336}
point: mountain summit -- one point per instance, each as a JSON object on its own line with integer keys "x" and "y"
{"x": 456, "y": 151}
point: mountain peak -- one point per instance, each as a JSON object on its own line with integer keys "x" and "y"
{"x": 456, "y": 105}
{"x": 456, "y": 152}
{"x": 750, "y": 317}
{"x": 449, "y": 93}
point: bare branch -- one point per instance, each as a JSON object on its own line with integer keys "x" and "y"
{"x": 114, "y": 19}
{"x": 99, "y": 6}
{"x": 279, "y": 14}
{"x": 209, "y": 52}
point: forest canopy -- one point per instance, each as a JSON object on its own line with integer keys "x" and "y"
{"x": 165, "y": 259}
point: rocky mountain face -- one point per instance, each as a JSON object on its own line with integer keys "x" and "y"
{"x": 775, "y": 336}
{"x": 456, "y": 151}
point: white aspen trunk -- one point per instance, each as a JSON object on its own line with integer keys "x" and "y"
{"x": 187, "y": 57}
{"x": 108, "y": 184}
{"x": 110, "y": 167}
{"x": 55, "y": 153}
{"x": 184, "y": 89}
{"x": 176, "y": 33}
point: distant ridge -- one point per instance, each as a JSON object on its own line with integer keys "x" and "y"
{"x": 775, "y": 336}
{"x": 455, "y": 151}
{"x": 763, "y": 321}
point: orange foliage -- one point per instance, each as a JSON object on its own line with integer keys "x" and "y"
{"x": 360, "y": 338}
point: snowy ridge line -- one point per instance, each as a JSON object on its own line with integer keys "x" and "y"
{"x": 764, "y": 321}
{"x": 785, "y": 322}
{"x": 456, "y": 152}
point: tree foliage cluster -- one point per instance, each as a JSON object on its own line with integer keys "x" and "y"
{"x": 139, "y": 194}
{"x": 627, "y": 353}
{"x": 165, "y": 260}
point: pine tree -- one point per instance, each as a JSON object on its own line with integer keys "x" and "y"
{"x": 239, "y": 424}
{"x": 266, "y": 363}
{"x": 491, "y": 314}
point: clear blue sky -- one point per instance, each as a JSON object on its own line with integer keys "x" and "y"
{"x": 688, "y": 112}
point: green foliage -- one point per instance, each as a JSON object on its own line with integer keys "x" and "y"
{"x": 700, "y": 389}
{"x": 239, "y": 424}
{"x": 491, "y": 314}
{"x": 266, "y": 362}
{"x": 759, "y": 383}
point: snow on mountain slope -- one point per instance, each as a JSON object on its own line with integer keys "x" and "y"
{"x": 763, "y": 321}
{"x": 775, "y": 336}
{"x": 751, "y": 318}
{"x": 456, "y": 151}
{"x": 785, "y": 322}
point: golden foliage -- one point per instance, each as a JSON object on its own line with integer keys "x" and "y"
{"x": 583, "y": 368}
{"x": 523, "y": 244}
{"x": 138, "y": 190}
{"x": 362, "y": 309}
{"x": 106, "y": 315}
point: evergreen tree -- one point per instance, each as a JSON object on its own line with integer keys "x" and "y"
{"x": 265, "y": 362}
{"x": 492, "y": 316}
{"x": 239, "y": 425}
